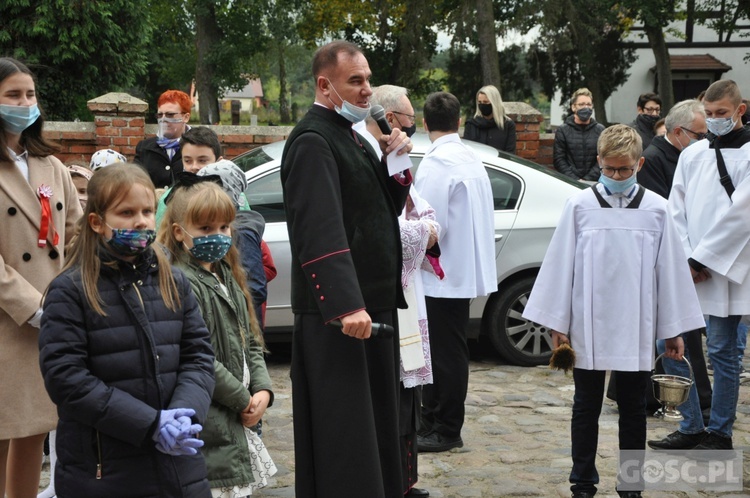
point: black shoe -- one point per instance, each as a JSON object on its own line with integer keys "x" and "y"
{"x": 582, "y": 494}
{"x": 678, "y": 441}
{"x": 713, "y": 441}
{"x": 436, "y": 442}
{"x": 417, "y": 492}
{"x": 629, "y": 494}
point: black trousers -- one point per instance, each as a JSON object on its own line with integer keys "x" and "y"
{"x": 584, "y": 427}
{"x": 443, "y": 400}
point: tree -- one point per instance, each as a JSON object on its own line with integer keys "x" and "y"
{"x": 78, "y": 49}
{"x": 583, "y": 39}
{"x": 487, "y": 41}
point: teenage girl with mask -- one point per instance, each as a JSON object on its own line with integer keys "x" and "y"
{"x": 38, "y": 209}
{"x": 196, "y": 231}
{"x": 490, "y": 125}
{"x": 125, "y": 354}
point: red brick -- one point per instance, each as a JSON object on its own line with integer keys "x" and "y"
{"x": 527, "y": 154}
{"x": 531, "y": 145}
{"x": 102, "y": 122}
{"x": 103, "y": 142}
{"x": 137, "y": 122}
{"x": 120, "y": 123}
{"x": 236, "y": 139}
{"x": 68, "y": 135}
{"x": 128, "y": 151}
{"x": 524, "y": 136}
{"x": 108, "y": 132}
{"x": 235, "y": 151}
{"x": 120, "y": 141}
{"x": 81, "y": 149}
{"x": 131, "y": 132}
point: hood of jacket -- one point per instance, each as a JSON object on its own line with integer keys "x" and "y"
{"x": 250, "y": 220}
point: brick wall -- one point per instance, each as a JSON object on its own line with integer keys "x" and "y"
{"x": 119, "y": 124}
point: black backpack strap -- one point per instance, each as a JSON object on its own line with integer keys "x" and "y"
{"x": 634, "y": 204}
{"x": 724, "y": 178}
{"x": 599, "y": 197}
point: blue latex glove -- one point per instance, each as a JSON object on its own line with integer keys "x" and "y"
{"x": 172, "y": 435}
{"x": 184, "y": 447}
{"x": 175, "y": 418}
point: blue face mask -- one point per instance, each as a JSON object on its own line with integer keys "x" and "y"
{"x": 210, "y": 248}
{"x": 721, "y": 126}
{"x": 16, "y": 118}
{"x": 353, "y": 113}
{"x": 617, "y": 186}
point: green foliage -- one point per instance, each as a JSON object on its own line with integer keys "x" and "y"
{"x": 79, "y": 49}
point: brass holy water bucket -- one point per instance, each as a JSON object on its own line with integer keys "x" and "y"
{"x": 672, "y": 391}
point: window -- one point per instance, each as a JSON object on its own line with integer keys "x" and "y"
{"x": 505, "y": 189}
{"x": 266, "y": 197}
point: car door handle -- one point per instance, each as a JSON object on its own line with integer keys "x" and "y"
{"x": 498, "y": 236}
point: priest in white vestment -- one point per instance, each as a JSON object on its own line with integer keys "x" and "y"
{"x": 613, "y": 280}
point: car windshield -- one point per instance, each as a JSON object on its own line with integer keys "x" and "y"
{"x": 543, "y": 169}
{"x": 254, "y": 158}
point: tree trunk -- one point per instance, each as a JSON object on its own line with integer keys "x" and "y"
{"x": 599, "y": 109}
{"x": 488, "y": 43}
{"x": 283, "y": 102}
{"x": 663, "y": 67}
{"x": 207, "y": 35}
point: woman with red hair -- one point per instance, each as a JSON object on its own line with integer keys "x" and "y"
{"x": 160, "y": 156}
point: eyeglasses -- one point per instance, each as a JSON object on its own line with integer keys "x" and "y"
{"x": 626, "y": 172}
{"x": 411, "y": 117}
{"x": 652, "y": 110}
{"x": 699, "y": 136}
{"x": 168, "y": 115}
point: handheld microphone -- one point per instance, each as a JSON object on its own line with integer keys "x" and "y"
{"x": 377, "y": 329}
{"x": 378, "y": 114}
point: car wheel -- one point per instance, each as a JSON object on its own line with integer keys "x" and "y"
{"x": 519, "y": 341}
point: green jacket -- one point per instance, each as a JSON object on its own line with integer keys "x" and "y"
{"x": 226, "y": 451}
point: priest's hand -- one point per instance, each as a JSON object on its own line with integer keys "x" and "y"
{"x": 700, "y": 276}
{"x": 558, "y": 338}
{"x": 357, "y": 325}
{"x": 675, "y": 348}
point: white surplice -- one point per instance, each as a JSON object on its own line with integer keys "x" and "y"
{"x": 614, "y": 279}
{"x": 714, "y": 230}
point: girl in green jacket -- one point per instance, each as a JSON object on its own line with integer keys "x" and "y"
{"x": 197, "y": 232}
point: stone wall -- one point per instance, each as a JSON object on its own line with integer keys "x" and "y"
{"x": 120, "y": 123}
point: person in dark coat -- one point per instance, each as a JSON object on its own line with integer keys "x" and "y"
{"x": 342, "y": 215}
{"x": 490, "y": 125}
{"x": 649, "y": 112}
{"x": 574, "y": 150}
{"x": 161, "y": 156}
{"x": 125, "y": 354}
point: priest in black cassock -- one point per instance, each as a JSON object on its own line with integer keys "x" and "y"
{"x": 342, "y": 208}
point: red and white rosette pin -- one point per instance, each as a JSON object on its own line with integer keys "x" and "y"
{"x": 45, "y": 193}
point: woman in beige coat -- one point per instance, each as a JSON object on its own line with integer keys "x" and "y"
{"x": 38, "y": 211}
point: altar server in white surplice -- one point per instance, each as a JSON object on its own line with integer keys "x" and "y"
{"x": 614, "y": 279}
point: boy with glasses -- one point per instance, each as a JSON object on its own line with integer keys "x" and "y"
{"x": 649, "y": 112}
{"x": 613, "y": 280}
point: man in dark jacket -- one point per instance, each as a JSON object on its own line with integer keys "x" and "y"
{"x": 342, "y": 215}
{"x": 649, "y": 112}
{"x": 575, "y": 140}
{"x": 686, "y": 124}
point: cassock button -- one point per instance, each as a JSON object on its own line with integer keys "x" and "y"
{"x": 317, "y": 286}
{"x": 322, "y": 298}
{"x": 314, "y": 275}
{"x": 59, "y": 206}
{"x": 12, "y": 211}
{"x": 26, "y": 256}
{"x": 53, "y": 254}
{"x": 167, "y": 168}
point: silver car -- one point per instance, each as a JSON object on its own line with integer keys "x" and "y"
{"x": 528, "y": 202}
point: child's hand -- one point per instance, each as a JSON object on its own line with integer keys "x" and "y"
{"x": 251, "y": 415}
{"x": 558, "y": 338}
{"x": 675, "y": 348}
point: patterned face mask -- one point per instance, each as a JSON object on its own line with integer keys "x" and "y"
{"x": 130, "y": 241}
{"x": 210, "y": 248}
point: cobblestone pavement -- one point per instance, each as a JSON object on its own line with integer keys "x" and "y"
{"x": 516, "y": 436}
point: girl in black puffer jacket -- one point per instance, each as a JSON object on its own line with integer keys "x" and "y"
{"x": 125, "y": 354}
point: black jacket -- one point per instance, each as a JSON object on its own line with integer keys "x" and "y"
{"x": 659, "y": 166}
{"x": 644, "y": 125}
{"x": 575, "y": 149}
{"x": 156, "y": 162}
{"x": 486, "y": 131}
{"x": 111, "y": 375}
{"x": 342, "y": 215}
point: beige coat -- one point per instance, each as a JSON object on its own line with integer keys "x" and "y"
{"x": 25, "y": 272}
